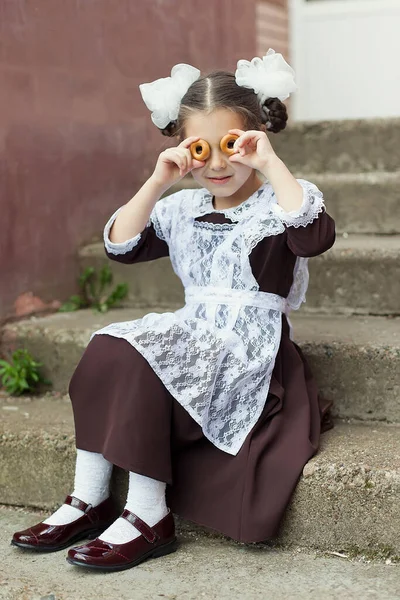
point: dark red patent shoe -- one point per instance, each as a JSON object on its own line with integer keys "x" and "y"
{"x": 153, "y": 542}
{"x": 50, "y": 538}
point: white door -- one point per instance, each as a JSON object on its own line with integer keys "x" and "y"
{"x": 346, "y": 54}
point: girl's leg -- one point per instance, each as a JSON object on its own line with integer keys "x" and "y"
{"x": 146, "y": 499}
{"x": 92, "y": 485}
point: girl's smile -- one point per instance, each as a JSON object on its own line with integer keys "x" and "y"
{"x": 220, "y": 180}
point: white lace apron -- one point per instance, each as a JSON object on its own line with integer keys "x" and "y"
{"x": 217, "y": 353}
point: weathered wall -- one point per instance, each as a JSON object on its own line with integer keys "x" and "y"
{"x": 76, "y": 140}
{"x": 272, "y": 26}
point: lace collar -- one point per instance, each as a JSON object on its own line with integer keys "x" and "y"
{"x": 203, "y": 203}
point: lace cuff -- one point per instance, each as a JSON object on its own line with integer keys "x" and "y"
{"x": 155, "y": 221}
{"x": 312, "y": 206}
{"x": 122, "y": 247}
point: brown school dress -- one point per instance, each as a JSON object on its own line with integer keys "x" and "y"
{"x": 123, "y": 411}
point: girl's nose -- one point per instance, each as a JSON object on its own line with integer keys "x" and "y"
{"x": 217, "y": 161}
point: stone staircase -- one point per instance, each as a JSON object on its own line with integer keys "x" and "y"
{"x": 348, "y": 496}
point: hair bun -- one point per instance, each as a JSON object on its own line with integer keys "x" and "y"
{"x": 171, "y": 129}
{"x": 274, "y": 115}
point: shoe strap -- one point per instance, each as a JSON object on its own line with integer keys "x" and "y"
{"x": 85, "y": 508}
{"x": 147, "y": 532}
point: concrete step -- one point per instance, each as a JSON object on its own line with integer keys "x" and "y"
{"x": 352, "y": 277}
{"x": 216, "y": 569}
{"x": 356, "y": 360}
{"x": 359, "y": 275}
{"x": 359, "y": 202}
{"x": 347, "y": 497}
{"x": 352, "y": 146}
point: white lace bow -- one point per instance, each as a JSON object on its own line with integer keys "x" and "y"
{"x": 269, "y": 77}
{"x": 163, "y": 96}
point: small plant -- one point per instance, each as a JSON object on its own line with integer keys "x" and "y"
{"x": 93, "y": 293}
{"x": 21, "y": 375}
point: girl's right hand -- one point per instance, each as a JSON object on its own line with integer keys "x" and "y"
{"x": 174, "y": 163}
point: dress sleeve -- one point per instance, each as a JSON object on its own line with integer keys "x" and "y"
{"x": 142, "y": 247}
{"x": 153, "y": 241}
{"x": 310, "y": 230}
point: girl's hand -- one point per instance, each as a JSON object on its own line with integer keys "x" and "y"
{"x": 253, "y": 149}
{"x": 174, "y": 163}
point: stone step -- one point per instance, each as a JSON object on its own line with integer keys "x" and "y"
{"x": 352, "y": 277}
{"x": 347, "y": 497}
{"x": 356, "y": 360}
{"x": 351, "y": 146}
{"x": 203, "y": 567}
{"x": 359, "y": 275}
{"x": 359, "y": 202}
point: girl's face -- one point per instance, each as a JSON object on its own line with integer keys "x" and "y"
{"x": 220, "y": 176}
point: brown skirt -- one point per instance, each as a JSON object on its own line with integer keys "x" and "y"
{"x": 123, "y": 411}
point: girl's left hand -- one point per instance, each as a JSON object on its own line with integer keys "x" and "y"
{"x": 253, "y": 149}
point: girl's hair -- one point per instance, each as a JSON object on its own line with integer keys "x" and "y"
{"x": 220, "y": 90}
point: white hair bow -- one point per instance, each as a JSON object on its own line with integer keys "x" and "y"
{"x": 163, "y": 96}
{"x": 269, "y": 77}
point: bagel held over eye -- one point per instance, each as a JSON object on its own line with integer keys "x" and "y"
{"x": 200, "y": 150}
{"x": 227, "y": 142}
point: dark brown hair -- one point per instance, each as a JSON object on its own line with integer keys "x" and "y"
{"x": 220, "y": 90}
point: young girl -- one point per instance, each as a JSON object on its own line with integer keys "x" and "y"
{"x": 213, "y": 400}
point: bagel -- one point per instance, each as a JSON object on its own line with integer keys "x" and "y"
{"x": 200, "y": 150}
{"x": 226, "y": 144}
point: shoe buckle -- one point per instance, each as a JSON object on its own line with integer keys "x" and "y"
{"x": 88, "y": 508}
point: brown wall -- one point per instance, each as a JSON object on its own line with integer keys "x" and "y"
{"x": 272, "y": 27}
{"x": 76, "y": 141}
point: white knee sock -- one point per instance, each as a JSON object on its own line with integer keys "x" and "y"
{"x": 92, "y": 480}
{"x": 146, "y": 499}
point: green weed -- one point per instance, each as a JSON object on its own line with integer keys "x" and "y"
{"x": 21, "y": 375}
{"x": 93, "y": 287}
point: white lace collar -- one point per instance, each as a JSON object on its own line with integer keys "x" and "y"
{"x": 203, "y": 203}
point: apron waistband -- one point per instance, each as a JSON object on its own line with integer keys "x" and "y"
{"x": 219, "y": 295}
